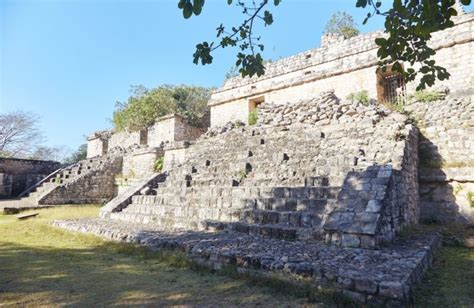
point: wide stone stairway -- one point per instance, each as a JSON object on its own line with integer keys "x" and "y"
{"x": 315, "y": 191}
{"x": 242, "y": 186}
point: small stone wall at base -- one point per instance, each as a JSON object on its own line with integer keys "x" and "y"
{"x": 375, "y": 277}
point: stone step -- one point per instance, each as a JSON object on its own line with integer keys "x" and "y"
{"x": 304, "y": 219}
{"x": 275, "y": 231}
{"x": 166, "y": 223}
{"x": 254, "y": 197}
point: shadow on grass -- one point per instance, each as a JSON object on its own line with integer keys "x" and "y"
{"x": 450, "y": 282}
{"x": 123, "y": 274}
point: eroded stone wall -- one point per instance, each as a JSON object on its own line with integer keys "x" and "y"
{"x": 97, "y": 145}
{"x": 446, "y": 158}
{"x": 171, "y": 128}
{"x": 16, "y": 175}
{"x": 127, "y": 139}
{"x": 137, "y": 164}
{"x": 346, "y": 66}
{"x": 96, "y": 186}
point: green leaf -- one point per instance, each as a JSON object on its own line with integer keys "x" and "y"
{"x": 187, "y": 10}
{"x": 381, "y": 41}
{"x": 197, "y": 8}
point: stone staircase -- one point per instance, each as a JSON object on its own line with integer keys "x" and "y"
{"x": 40, "y": 195}
{"x": 304, "y": 181}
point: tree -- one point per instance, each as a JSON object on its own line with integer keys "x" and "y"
{"x": 78, "y": 155}
{"x": 47, "y": 153}
{"x": 19, "y": 135}
{"x": 408, "y": 25}
{"x": 145, "y": 106}
{"x": 342, "y": 23}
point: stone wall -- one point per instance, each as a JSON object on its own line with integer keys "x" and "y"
{"x": 127, "y": 139}
{"x": 95, "y": 186}
{"x": 16, "y": 175}
{"x": 346, "y": 66}
{"x": 175, "y": 154}
{"x": 446, "y": 158}
{"x": 137, "y": 165}
{"x": 183, "y": 131}
{"x": 282, "y": 177}
{"x": 171, "y": 128}
{"x": 97, "y": 144}
{"x": 162, "y": 131}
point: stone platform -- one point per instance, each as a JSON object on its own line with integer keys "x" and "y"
{"x": 383, "y": 276}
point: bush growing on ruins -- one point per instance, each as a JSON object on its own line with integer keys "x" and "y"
{"x": 470, "y": 198}
{"x": 342, "y": 23}
{"x": 158, "y": 165}
{"x": 253, "y": 116}
{"x": 426, "y": 96}
{"x": 361, "y": 97}
{"x": 144, "y": 106}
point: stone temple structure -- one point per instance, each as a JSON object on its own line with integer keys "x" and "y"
{"x": 317, "y": 190}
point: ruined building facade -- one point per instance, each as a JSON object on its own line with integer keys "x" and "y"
{"x": 318, "y": 187}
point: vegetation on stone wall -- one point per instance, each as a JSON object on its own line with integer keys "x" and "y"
{"x": 253, "y": 116}
{"x": 426, "y": 96}
{"x": 470, "y": 198}
{"x": 144, "y": 106}
{"x": 158, "y": 165}
{"x": 342, "y": 23}
{"x": 360, "y": 97}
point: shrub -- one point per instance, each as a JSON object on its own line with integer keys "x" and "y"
{"x": 426, "y": 96}
{"x": 144, "y": 106}
{"x": 342, "y": 23}
{"x": 360, "y": 97}
{"x": 158, "y": 165}
{"x": 253, "y": 116}
{"x": 470, "y": 198}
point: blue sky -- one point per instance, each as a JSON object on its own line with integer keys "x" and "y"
{"x": 69, "y": 61}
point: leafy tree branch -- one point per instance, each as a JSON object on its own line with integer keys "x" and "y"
{"x": 409, "y": 25}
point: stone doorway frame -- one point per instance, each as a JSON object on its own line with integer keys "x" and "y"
{"x": 384, "y": 93}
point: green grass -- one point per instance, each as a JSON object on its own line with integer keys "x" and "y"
{"x": 44, "y": 266}
{"x": 451, "y": 282}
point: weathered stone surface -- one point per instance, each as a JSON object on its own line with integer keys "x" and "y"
{"x": 385, "y": 274}
{"x": 446, "y": 160}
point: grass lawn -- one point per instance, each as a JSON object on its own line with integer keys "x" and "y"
{"x": 451, "y": 282}
{"x": 44, "y": 266}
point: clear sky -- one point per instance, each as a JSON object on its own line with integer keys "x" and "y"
{"x": 69, "y": 61}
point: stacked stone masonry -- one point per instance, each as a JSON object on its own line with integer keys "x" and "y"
{"x": 89, "y": 181}
{"x": 305, "y": 177}
{"x": 347, "y": 66}
{"x": 446, "y": 159}
{"x": 16, "y": 175}
{"x": 383, "y": 277}
{"x": 166, "y": 130}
